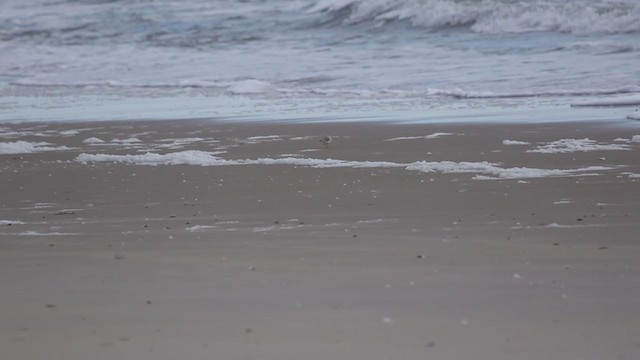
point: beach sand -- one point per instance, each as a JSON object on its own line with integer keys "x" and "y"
{"x": 113, "y": 260}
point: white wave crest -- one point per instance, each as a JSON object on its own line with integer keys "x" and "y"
{"x": 493, "y": 16}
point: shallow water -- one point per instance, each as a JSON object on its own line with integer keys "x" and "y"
{"x": 69, "y": 60}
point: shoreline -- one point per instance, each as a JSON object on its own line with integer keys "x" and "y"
{"x": 106, "y": 105}
{"x": 366, "y": 256}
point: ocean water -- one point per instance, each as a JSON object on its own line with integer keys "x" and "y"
{"x": 321, "y": 59}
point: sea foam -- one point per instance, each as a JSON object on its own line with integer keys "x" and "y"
{"x": 576, "y": 145}
{"x": 485, "y": 170}
{"x": 26, "y": 147}
{"x": 491, "y": 16}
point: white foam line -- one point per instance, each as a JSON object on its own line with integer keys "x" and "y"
{"x": 432, "y": 136}
{"x": 303, "y": 137}
{"x": 174, "y": 145}
{"x": 514, "y": 142}
{"x": 633, "y": 139}
{"x": 131, "y": 140}
{"x": 563, "y": 226}
{"x": 197, "y": 228}
{"x": 11, "y": 222}
{"x": 631, "y": 175}
{"x": 26, "y": 147}
{"x": 265, "y": 137}
{"x": 374, "y": 221}
{"x": 275, "y": 228}
{"x": 93, "y": 141}
{"x": 576, "y": 145}
{"x": 69, "y": 132}
{"x": 40, "y": 206}
{"x": 35, "y": 233}
{"x": 491, "y": 171}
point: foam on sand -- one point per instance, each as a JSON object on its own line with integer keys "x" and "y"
{"x": 484, "y": 169}
{"x": 197, "y": 228}
{"x": 514, "y": 142}
{"x": 131, "y": 140}
{"x": 633, "y": 139}
{"x": 11, "y": 222}
{"x": 190, "y": 157}
{"x": 576, "y": 145}
{"x": 263, "y": 138}
{"x": 26, "y": 147}
{"x": 632, "y": 175}
{"x": 432, "y": 136}
{"x": 565, "y": 226}
{"x": 35, "y": 233}
{"x": 69, "y": 132}
{"x": 495, "y": 172}
{"x": 93, "y": 141}
{"x": 179, "y": 143}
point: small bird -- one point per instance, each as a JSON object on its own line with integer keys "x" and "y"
{"x": 326, "y": 141}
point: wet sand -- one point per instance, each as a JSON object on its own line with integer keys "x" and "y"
{"x": 104, "y": 260}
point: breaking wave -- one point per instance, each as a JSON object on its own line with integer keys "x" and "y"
{"x": 489, "y": 16}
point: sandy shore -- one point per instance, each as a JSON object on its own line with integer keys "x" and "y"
{"x": 415, "y": 242}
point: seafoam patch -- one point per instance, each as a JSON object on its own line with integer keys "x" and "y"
{"x": 191, "y": 157}
{"x": 633, "y": 139}
{"x": 262, "y": 138}
{"x": 431, "y": 136}
{"x": 275, "y": 228}
{"x": 93, "y": 141}
{"x": 26, "y": 147}
{"x": 514, "y": 142}
{"x": 375, "y": 221}
{"x": 563, "y": 201}
{"x": 178, "y": 143}
{"x": 35, "y": 233}
{"x": 491, "y": 171}
{"x": 128, "y": 141}
{"x": 43, "y": 205}
{"x": 11, "y": 222}
{"x": 576, "y": 145}
{"x": 69, "y": 132}
{"x": 484, "y": 169}
{"x": 565, "y": 226}
{"x": 632, "y": 175}
{"x": 131, "y": 142}
{"x": 198, "y": 228}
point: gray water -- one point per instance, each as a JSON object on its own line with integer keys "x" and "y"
{"x": 384, "y": 55}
